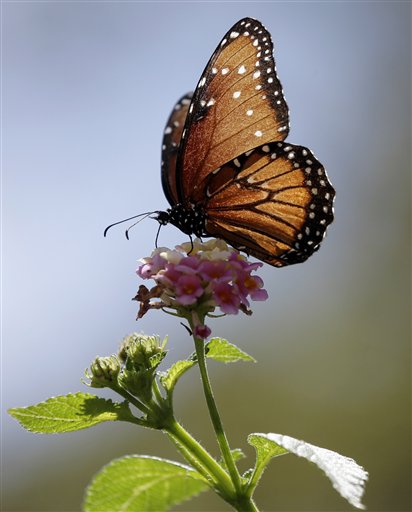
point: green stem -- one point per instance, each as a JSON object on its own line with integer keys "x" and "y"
{"x": 130, "y": 398}
{"x": 201, "y": 459}
{"x": 215, "y": 417}
{"x": 157, "y": 392}
{"x": 246, "y": 505}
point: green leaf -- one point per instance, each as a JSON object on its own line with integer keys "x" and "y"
{"x": 217, "y": 348}
{"x": 70, "y": 412}
{"x": 142, "y": 483}
{"x": 174, "y": 373}
{"x": 265, "y": 450}
{"x": 221, "y": 350}
{"x": 347, "y": 477}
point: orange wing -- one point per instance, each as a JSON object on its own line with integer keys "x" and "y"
{"x": 274, "y": 202}
{"x": 238, "y": 105}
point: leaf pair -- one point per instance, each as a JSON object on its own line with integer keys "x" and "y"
{"x": 147, "y": 483}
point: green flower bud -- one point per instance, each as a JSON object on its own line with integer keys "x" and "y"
{"x": 104, "y": 372}
{"x": 139, "y": 351}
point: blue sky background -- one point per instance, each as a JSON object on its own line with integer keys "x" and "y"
{"x": 86, "y": 90}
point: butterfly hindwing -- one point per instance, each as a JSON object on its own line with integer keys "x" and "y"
{"x": 238, "y": 104}
{"x": 273, "y": 202}
{"x": 170, "y": 147}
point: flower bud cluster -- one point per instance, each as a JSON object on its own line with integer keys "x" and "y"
{"x": 141, "y": 355}
{"x": 133, "y": 369}
{"x": 199, "y": 277}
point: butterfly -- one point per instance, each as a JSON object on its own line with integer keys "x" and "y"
{"x": 226, "y": 170}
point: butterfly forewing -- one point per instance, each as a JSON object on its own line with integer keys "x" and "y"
{"x": 274, "y": 202}
{"x": 170, "y": 147}
{"x": 238, "y": 105}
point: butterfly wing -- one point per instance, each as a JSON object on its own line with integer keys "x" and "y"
{"x": 238, "y": 105}
{"x": 274, "y": 202}
{"x": 170, "y": 147}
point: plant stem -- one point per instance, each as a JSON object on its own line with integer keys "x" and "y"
{"x": 130, "y": 398}
{"x": 157, "y": 392}
{"x": 200, "y": 459}
{"x": 215, "y": 417}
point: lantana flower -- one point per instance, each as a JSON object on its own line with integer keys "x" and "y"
{"x": 195, "y": 279}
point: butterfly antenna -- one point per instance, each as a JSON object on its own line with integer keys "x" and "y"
{"x": 144, "y": 215}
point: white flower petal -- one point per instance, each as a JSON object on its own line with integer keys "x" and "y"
{"x": 171, "y": 256}
{"x": 347, "y": 477}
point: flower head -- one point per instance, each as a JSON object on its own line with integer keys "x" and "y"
{"x": 196, "y": 279}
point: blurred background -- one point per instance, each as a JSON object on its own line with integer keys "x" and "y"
{"x": 87, "y": 89}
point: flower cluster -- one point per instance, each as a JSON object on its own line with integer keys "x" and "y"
{"x": 198, "y": 278}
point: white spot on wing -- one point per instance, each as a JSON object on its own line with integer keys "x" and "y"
{"x": 236, "y": 94}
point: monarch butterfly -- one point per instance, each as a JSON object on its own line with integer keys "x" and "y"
{"x": 226, "y": 170}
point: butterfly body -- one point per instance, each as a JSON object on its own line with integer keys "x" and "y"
{"x": 227, "y": 171}
{"x": 191, "y": 219}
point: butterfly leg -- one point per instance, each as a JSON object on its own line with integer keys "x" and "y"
{"x": 157, "y": 235}
{"x": 191, "y": 245}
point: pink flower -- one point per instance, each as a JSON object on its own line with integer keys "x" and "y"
{"x": 151, "y": 266}
{"x": 226, "y": 297}
{"x": 252, "y": 286}
{"x": 199, "y": 278}
{"x": 169, "y": 277}
{"x": 202, "y": 331}
{"x": 188, "y": 289}
{"x": 188, "y": 264}
{"x": 215, "y": 270}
